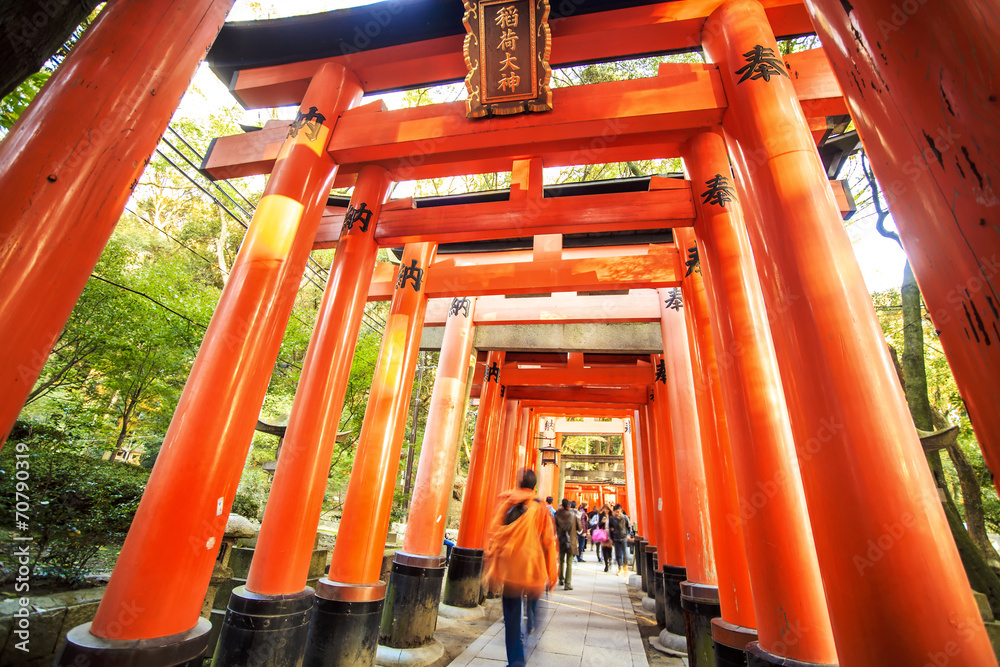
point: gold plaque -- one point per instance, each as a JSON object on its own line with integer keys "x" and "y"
{"x": 507, "y": 49}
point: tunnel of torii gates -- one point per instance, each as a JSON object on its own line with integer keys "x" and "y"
{"x": 779, "y": 486}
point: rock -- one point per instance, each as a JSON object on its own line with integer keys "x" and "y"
{"x": 238, "y": 526}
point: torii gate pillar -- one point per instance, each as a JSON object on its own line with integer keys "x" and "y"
{"x": 276, "y": 584}
{"x": 345, "y": 622}
{"x": 411, "y": 604}
{"x": 168, "y": 555}
{"x": 463, "y": 586}
{"x": 920, "y": 80}
{"x": 863, "y": 469}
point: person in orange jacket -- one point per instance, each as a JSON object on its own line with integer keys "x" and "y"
{"x": 521, "y": 558}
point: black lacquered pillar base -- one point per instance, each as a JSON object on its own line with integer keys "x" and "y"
{"x": 343, "y": 631}
{"x": 648, "y": 568}
{"x": 463, "y": 582}
{"x": 730, "y": 642}
{"x": 409, "y": 617}
{"x": 700, "y": 604}
{"x": 659, "y": 595}
{"x": 640, "y": 555}
{"x": 83, "y": 648}
{"x": 672, "y": 578}
{"x": 758, "y": 657}
{"x": 264, "y": 630}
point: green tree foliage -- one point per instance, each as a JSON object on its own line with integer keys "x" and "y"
{"x": 78, "y": 506}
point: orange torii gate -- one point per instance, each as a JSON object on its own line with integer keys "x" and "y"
{"x": 805, "y": 442}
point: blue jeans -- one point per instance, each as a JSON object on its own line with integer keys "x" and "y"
{"x": 620, "y": 553}
{"x": 581, "y": 546}
{"x": 512, "y": 626}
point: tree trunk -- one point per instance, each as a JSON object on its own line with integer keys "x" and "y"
{"x": 914, "y": 374}
{"x": 981, "y": 578}
{"x": 972, "y": 497}
{"x": 26, "y": 46}
{"x": 912, "y": 360}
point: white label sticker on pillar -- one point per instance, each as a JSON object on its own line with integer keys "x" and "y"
{"x": 218, "y": 507}
{"x": 210, "y": 543}
{"x": 659, "y": 504}
{"x": 438, "y": 519}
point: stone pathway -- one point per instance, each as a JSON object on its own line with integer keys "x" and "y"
{"x": 593, "y": 625}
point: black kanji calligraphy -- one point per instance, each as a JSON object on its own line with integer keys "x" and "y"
{"x": 408, "y": 273}
{"x": 503, "y": 390}
{"x": 361, "y": 214}
{"x": 460, "y": 306}
{"x": 719, "y": 191}
{"x": 761, "y": 64}
{"x": 676, "y": 300}
{"x": 693, "y": 262}
{"x": 492, "y": 372}
{"x": 312, "y": 121}
{"x": 661, "y": 372}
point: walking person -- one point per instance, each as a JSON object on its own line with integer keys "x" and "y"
{"x": 604, "y": 523}
{"x": 581, "y": 546}
{"x": 520, "y": 559}
{"x": 618, "y": 532}
{"x": 567, "y": 529}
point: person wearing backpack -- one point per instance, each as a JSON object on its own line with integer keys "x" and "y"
{"x": 520, "y": 559}
{"x": 567, "y": 527}
{"x": 581, "y": 546}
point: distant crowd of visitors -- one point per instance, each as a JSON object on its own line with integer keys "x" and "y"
{"x": 527, "y": 540}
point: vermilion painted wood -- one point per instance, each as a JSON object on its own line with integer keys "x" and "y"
{"x": 646, "y": 484}
{"x": 861, "y": 462}
{"x": 531, "y": 451}
{"x": 627, "y": 120}
{"x": 584, "y": 377}
{"x": 442, "y": 433}
{"x": 671, "y": 513}
{"x": 476, "y": 506}
{"x": 500, "y": 464}
{"x": 288, "y": 532}
{"x": 174, "y": 539}
{"x": 507, "y": 462}
{"x": 678, "y": 392}
{"x": 761, "y": 439}
{"x": 664, "y": 514}
{"x": 595, "y": 213}
{"x": 931, "y": 128}
{"x": 357, "y": 554}
{"x": 656, "y": 269}
{"x": 575, "y": 39}
{"x": 632, "y": 480}
{"x": 735, "y": 595}
{"x": 565, "y": 395}
{"x": 534, "y": 217}
{"x": 68, "y": 166}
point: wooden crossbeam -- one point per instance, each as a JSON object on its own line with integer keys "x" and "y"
{"x": 640, "y": 306}
{"x": 674, "y": 26}
{"x": 631, "y": 396}
{"x": 669, "y": 203}
{"x": 606, "y": 122}
{"x": 578, "y": 377}
{"x": 672, "y": 206}
{"x": 659, "y": 268}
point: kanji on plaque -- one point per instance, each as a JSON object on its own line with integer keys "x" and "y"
{"x": 506, "y": 51}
